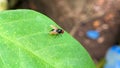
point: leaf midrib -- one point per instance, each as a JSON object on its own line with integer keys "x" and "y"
{"x": 20, "y": 46}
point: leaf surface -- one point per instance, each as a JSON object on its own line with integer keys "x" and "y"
{"x": 25, "y": 42}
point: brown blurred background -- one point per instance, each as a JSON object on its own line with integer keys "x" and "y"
{"x": 79, "y": 16}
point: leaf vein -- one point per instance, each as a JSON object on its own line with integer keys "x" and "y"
{"x": 20, "y": 45}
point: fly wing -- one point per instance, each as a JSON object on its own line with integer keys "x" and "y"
{"x": 53, "y": 32}
{"x": 54, "y": 27}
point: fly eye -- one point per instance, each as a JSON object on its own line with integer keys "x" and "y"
{"x": 62, "y": 31}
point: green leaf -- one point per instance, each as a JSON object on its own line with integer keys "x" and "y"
{"x": 25, "y": 42}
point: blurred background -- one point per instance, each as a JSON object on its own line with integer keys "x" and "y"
{"x": 94, "y": 23}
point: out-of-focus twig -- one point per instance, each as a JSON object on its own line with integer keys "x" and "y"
{"x": 3, "y": 5}
{"x": 6, "y": 4}
{"x": 101, "y": 64}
